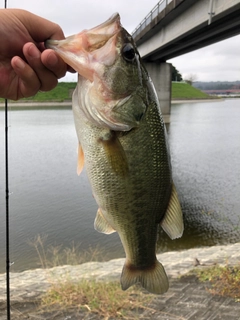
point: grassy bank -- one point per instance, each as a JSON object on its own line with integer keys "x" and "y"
{"x": 98, "y": 299}
{"x": 104, "y": 299}
{"x": 63, "y": 92}
{"x": 224, "y": 280}
{"x": 186, "y": 91}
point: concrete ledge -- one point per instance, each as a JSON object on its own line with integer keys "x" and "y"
{"x": 32, "y": 283}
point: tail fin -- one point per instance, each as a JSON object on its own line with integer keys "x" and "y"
{"x": 153, "y": 279}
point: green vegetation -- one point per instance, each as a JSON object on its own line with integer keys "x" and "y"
{"x": 225, "y": 280}
{"x": 186, "y": 91}
{"x": 176, "y": 75}
{"x": 62, "y": 92}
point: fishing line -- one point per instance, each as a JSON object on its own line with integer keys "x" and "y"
{"x": 7, "y": 208}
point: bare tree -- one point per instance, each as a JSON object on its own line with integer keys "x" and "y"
{"x": 190, "y": 78}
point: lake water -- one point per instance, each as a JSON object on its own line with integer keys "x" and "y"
{"x": 48, "y": 198}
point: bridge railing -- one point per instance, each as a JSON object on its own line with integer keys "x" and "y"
{"x": 160, "y": 6}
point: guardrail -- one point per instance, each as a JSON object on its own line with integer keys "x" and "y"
{"x": 160, "y": 6}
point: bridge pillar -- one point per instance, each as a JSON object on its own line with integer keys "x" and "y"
{"x": 161, "y": 75}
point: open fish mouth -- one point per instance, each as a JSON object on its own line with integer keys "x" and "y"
{"x": 106, "y": 57}
{"x": 83, "y": 50}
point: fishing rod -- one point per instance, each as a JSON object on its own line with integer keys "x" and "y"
{"x": 7, "y": 213}
{"x": 7, "y": 208}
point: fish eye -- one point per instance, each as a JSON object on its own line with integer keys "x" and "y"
{"x": 128, "y": 52}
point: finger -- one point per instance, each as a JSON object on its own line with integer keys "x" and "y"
{"x": 47, "y": 78}
{"x": 28, "y": 84}
{"x": 54, "y": 63}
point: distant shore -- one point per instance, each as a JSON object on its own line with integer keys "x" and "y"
{"x": 196, "y": 100}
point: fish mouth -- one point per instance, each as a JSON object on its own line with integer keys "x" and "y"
{"x": 106, "y": 99}
{"x": 85, "y": 52}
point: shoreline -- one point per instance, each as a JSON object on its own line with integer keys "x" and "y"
{"x": 69, "y": 103}
{"x": 38, "y": 104}
{"x": 35, "y": 282}
{"x": 186, "y": 298}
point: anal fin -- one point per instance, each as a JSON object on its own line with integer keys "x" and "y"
{"x": 101, "y": 224}
{"x": 115, "y": 153}
{"x": 172, "y": 222}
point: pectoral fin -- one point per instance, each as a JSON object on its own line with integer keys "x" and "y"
{"x": 172, "y": 222}
{"x": 115, "y": 153}
{"x": 80, "y": 163}
{"x": 101, "y": 224}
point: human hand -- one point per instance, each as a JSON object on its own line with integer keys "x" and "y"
{"x": 25, "y": 66}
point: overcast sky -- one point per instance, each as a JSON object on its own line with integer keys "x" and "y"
{"x": 220, "y": 61}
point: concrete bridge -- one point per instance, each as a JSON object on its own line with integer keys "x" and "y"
{"x": 175, "y": 27}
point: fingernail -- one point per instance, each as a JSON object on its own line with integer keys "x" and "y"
{"x": 33, "y": 51}
{"x": 19, "y": 64}
{"x": 52, "y": 59}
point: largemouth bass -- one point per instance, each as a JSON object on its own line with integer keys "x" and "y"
{"x": 122, "y": 143}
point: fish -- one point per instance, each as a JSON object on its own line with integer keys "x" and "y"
{"x": 123, "y": 146}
